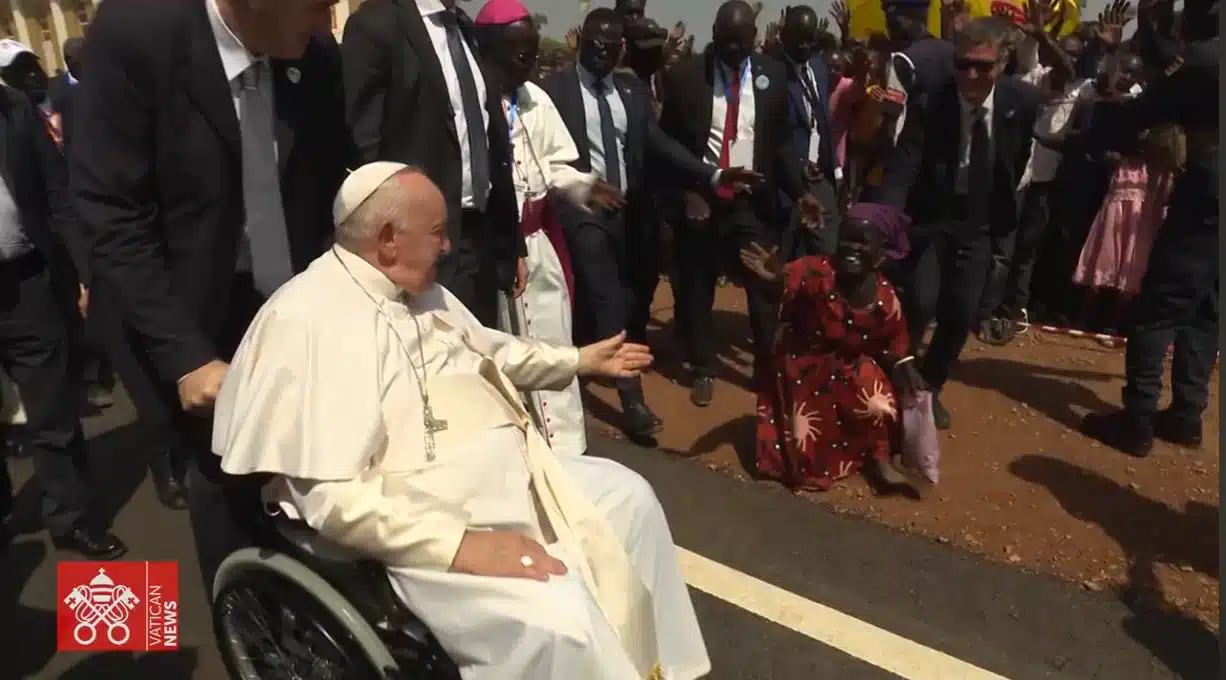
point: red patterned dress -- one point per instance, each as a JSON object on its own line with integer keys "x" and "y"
{"x": 827, "y": 403}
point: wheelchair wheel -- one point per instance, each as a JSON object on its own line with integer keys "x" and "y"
{"x": 270, "y": 628}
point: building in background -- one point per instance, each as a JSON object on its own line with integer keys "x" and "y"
{"x": 44, "y": 25}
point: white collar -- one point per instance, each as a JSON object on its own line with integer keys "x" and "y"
{"x": 988, "y": 102}
{"x": 431, "y": 7}
{"x": 590, "y": 78}
{"x": 372, "y": 280}
{"x": 235, "y": 57}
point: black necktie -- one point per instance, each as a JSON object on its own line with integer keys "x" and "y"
{"x": 474, "y": 116}
{"x": 608, "y": 136}
{"x": 979, "y": 174}
{"x": 810, "y": 88}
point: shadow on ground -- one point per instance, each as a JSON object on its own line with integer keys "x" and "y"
{"x": 114, "y": 470}
{"x": 1149, "y": 533}
{"x": 25, "y": 653}
{"x": 1053, "y": 392}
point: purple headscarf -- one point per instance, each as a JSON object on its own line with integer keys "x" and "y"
{"x": 890, "y": 221}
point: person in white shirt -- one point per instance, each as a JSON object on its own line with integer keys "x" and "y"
{"x": 390, "y": 419}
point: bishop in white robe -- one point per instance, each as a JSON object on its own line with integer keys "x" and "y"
{"x": 541, "y": 155}
{"x": 390, "y": 418}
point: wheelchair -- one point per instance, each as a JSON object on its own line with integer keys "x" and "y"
{"x": 298, "y": 608}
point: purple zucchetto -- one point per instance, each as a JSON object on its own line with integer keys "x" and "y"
{"x": 890, "y": 221}
{"x": 501, "y": 12}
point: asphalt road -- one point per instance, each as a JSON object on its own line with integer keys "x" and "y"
{"x": 1004, "y": 621}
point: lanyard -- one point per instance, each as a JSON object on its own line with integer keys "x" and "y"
{"x": 512, "y": 110}
{"x": 728, "y": 83}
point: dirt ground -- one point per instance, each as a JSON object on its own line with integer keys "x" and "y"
{"x": 1018, "y": 483}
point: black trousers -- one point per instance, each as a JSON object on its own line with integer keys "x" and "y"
{"x": 1172, "y": 309}
{"x": 603, "y": 296}
{"x": 471, "y": 271}
{"x": 1013, "y": 257}
{"x": 943, "y": 278}
{"x": 223, "y": 509}
{"x": 156, "y": 401}
{"x": 702, "y": 253}
{"x": 35, "y": 348}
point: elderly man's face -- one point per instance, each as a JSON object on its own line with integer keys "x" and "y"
{"x": 282, "y": 28}
{"x": 977, "y": 66}
{"x": 409, "y": 253}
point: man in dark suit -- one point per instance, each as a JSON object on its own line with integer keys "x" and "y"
{"x": 36, "y": 225}
{"x": 415, "y": 93}
{"x": 205, "y": 176}
{"x": 613, "y": 124}
{"x": 729, "y": 107}
{"x": 1178, "y": 302}
{"x": 811, "y": 133}
{"x": 958, "y": 183}
{"x": 922, "y": 63}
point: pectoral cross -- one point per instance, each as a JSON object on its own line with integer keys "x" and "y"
{"x": 433, "y": 426}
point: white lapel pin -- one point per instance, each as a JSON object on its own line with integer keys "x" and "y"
{"x": 762, "y": 82}
{"x": 293, "y": 74}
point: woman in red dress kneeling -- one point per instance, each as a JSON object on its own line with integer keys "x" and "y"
{"x": 841, "y": 360}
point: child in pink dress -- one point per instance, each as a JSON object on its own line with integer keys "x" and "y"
{"x": 1116, "y": 251}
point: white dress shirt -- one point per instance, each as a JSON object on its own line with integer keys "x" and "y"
{"x": 430, "y": 11}
{"x": 235, "y": 60}
{"x": 964, "y": 139}
{"x": 805, "y": 70}
{"x": 1055, "y": 116}
{"x": 591, "y": 113}
{"x": 745, "y": 115}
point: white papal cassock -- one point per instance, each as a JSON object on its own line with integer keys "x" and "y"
{"x": 321, "y": 392}
{"x": 542, "y": 151}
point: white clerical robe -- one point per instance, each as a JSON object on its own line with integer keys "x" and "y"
{"x": 323, "y": 393}
{"x": 543, "y": 151}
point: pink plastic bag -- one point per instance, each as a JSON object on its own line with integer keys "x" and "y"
{"x": 920, "y": 449}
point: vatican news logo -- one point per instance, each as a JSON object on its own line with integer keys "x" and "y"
{"x": 117, "y": 606}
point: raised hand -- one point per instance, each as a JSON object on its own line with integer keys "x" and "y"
{"x": 762, "y": 263}
{"x": 842, "y": 18}
{"x": 1111, "y": 22}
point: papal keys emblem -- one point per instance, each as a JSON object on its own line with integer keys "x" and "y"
{"x": 101, "y": 603}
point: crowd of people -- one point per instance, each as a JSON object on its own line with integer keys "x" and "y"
{"x": 346, "y": 282}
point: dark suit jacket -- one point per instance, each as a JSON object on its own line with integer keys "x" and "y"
{"x": 399, "y": 110}
{"x": 801, "y": 123}
{"x": 36, "y": 176}
{"x": 646, "y": 145}
{"x": 686, "y": 116}
{"x": 156, "y": 176}
{"x": 919, "y": 174}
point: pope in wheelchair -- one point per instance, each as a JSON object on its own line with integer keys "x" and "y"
{"x": 420, "y": 525}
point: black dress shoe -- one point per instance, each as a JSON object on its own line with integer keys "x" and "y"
{"x": 1171, "y": 427}
{"x": 940, "y": 416}
{"x": 94, "y": 544}
{"x": 702, "y": 391}
{"x": 1127, "y": 432}
{"x": 170, "y": 489}
{"x": 640, "y": 422}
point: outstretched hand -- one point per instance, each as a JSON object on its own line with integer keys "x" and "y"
{"x": 614, "y": 357}
{"x": 740, "y": 179}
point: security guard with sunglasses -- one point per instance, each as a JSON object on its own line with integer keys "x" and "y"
{"x": 1178, "y": 302}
